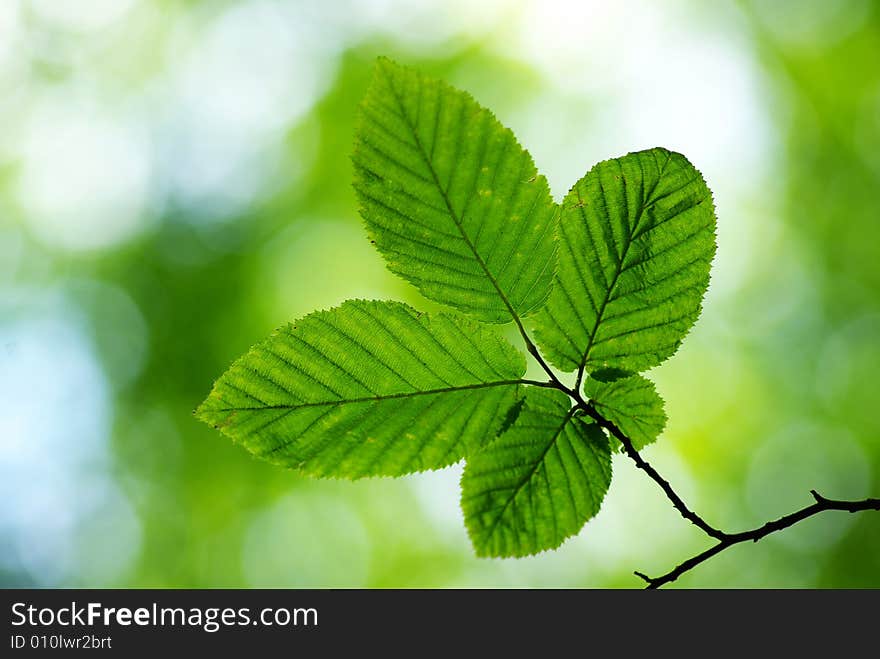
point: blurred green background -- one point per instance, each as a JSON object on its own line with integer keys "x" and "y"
{"x": 175, "y": 183}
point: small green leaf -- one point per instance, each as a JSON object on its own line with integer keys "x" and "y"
{"x": 637, "y": 238}
{"x": 366, "y": 389}
{"x": 539, "y": 482}
{"x": 631, "y": 403}
{"x": 452, "y": 201}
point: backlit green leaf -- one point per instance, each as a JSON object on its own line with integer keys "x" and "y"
{"x": 637, "y": 238}
{"x": 452, "y": 201}
{"x": 539, "y": 482}
{"x": 631, "y": 403}
{"x": 368, "y": 388}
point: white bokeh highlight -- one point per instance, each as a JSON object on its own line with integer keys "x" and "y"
{"x": 54, "y": 461}
{"x": 85, "y": 175}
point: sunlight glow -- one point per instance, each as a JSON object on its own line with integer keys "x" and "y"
{"x": 85, "y": 176}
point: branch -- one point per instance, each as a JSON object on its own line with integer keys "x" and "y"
{"x": 645, "y": 466}
{"x": 725, "y": 540}
{"x": 729, "y": 540}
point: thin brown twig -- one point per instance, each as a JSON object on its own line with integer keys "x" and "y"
{"x": 725, "y": 539}
{"x": 821, "y": 505}
{"x": 645, "y": 466}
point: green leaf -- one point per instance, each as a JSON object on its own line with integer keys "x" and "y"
{"x": 631, "y": 403}
{"x": 452, "y": 201}
{"x": 539, "y": 482}
{"x": 368, "y": 388}
{"x": 637, "y": 238}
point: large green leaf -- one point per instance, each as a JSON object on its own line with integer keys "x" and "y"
{"x": 637, "y": 238}
{"x": 631, "y": 403}
{"x": 452, "y": 201}
{"x": 539, "y": 482}
{"x": 368, "y": 388}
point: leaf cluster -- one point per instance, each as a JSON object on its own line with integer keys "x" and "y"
{"x": 605, "y": 285}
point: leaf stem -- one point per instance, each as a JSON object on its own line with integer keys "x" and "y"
{"x": 534, "y": 352}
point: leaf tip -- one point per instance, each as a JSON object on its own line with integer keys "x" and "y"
{"x": 387, "y": 65}
{"x": 205, "y": 413}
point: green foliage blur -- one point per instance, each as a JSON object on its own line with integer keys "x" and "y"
{"x": 175, "y": 183}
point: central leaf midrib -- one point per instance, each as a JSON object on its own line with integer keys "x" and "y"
{"x": 370, "y": 399}
{"x": 619, "y": 269}
{"x": 530, "y": 473}
{"x": 448, "y": 202}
